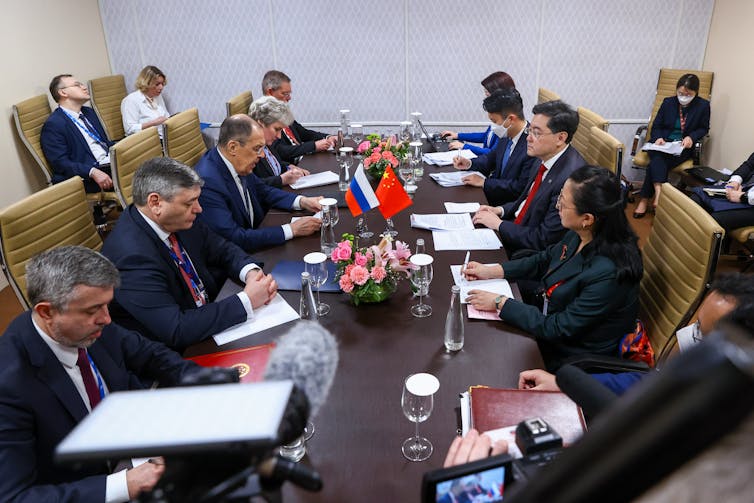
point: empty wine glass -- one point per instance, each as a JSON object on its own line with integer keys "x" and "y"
{"x": 417, "y": 401}
{"x": 362, "y": 230}
{"x": 415, "y": 149}
{"x": 315, "y": 264}
{"x": 405, "y": 131}
{"x": 357, "y": 133}
{"x": 406, "y": 172}
{"x": 330, "y": 204}
{"x": 390, "y": 228}
{"x": 421, "y": 277}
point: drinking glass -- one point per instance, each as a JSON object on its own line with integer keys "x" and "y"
{"x": 417, "y": 401}
{"x": 362, "y": 230}
{"x": 345, "y": 161}
{"x": 421, "y": 277}
{"x": 330, "y": 204}
{"x": 405, "y": 131}
{"x": 390, "y": 228}
{"x": 315, "y": 264}
{"x": 406, "y": 172}
{"x": 415, "y": 149}
{"x": 357, "y": 133}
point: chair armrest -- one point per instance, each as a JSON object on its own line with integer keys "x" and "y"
{"x": 599, "y": 363}
{"x": 637, "y": 138}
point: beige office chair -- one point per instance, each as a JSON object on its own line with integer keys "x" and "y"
{"x": 107, "y": 93}
{"x": 680, "y": 257}
{"x": 55, "y": 216}
{"x": 606, "y": 150}
{"x": 546, "y": 95}
{"x": 238, "y": 104}
{"x": 29, "y": 116}
{"x": 183, "y": 137}
{"x": 127, "y": 155}
{"x": 666, "y": 82}
{"x": 582, "y": 140}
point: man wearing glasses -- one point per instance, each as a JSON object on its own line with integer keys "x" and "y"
{"x": 73, "y": 139}
{"x": 532, "y": 222}
{"x": 235, "y": 201}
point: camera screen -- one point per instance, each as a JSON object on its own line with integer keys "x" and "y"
{"x": 479, "y": 487}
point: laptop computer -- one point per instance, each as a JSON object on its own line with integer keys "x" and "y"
{"x": 707, "y": 175}
{"x": 432, "y": 143}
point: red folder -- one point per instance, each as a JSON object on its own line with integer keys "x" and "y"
{"x": 493, "y": 408}
{"x": 250, "y": 362}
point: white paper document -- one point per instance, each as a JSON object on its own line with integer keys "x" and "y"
{"x": 452, "y": 178}
{"x": 442, "y": 221}
{"x": 498, "y": 286}
{"x": 316, "y": 215}
{"x": 462, "y": 207}
{"x": 467, "y": 239}
{"x": 712, "y": 191}
{"x": 446, "y": 158}
{"x": 672, "y": 147}
{"x": 315, "y": 180}
{"x": 277, "y": 312}
{"x": 687, "y": 337}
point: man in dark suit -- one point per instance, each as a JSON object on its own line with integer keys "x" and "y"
{"x": 506, "y": 169}
{"x": 296, "y": 140}
{"x": 532, "y": 222}
{"x": 172, "y": 268}
{"x": 73, "y": 139}
{"x": 736, "y": 209}
{"x": 57, "y": 362}
{"x": 235, "y": 200}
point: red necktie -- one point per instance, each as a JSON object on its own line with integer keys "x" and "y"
{"x": 179, "y": 253}
{"x": 532, "y": 193}
{"x": 292, "y": 137}
{"x": 92, "y": 391}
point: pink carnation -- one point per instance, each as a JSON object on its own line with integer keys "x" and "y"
{"x": 378, "y": 274}
{"x": 363, "y": 146}
{"x": 375, "y": 157}
{"x": 359, "y": 275}
{"x": 360, "y": 259}
{"x": 346, "y": 284}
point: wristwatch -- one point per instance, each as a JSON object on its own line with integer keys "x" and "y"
{"x": 498, "y": 303}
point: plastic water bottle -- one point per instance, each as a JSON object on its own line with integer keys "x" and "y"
{"x": 454, "y": 321}
{"x": 307, "y": 306}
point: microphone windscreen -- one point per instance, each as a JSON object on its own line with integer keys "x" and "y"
{"x": 307, "y": 355}
{"x": 591, "y": 395}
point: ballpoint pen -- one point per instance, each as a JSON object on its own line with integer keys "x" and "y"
{"x": 465, "y": 264}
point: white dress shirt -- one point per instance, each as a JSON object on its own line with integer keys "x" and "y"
{"x": 548, "y": 165}
{"x": 101, "y": 155}
{"x": 137, "y": 109}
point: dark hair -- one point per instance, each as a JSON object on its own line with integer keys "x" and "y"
{"x": 596, "y": 191}
{"x": 497, "y": 81}
{"x": 742, "y": 315}
{"x": 236, "y": 127}
{"x": 55, "y": 85}
{"x": 734, "y": 284}
{"x": 273, "y": 80}
{"x": 689, "y": 81}
{"x": 561, "y": 117}
{"x": 504, "y": 102}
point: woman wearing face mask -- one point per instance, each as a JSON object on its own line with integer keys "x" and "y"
{"x": 684, "y": 118}
{"x": 145, "y": 107}
{"x": 493, "y": 82}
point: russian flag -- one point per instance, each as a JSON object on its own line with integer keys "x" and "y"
{"x": 360, "y": 197}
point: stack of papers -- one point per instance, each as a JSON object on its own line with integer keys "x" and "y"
{"x": 277, "y": 312}
{"x": 498, "y": 286}
{"x": 452, "y": 178}
{"x": 466, "y": 239}
{"x": 672, "y": 148}
{"x": 462, "y": 207}
{"x": 442, "y": 221}
{"x": 446, "y": 158}
{"x": 315, "y": 180}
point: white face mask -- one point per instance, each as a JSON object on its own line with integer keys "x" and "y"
{"x": 684, "y": 100}
{"x": 500, "y": 130}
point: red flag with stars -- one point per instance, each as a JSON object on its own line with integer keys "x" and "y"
{"x": 391, "y": 195}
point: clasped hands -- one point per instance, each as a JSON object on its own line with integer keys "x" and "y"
{"x": 261, "y": 288}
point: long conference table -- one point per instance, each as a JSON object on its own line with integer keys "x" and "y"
{"x": 360, "y": 429}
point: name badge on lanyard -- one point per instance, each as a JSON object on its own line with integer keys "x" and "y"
{"x": 547, "y": 294}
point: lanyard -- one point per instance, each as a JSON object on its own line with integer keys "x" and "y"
{"x": 273, "y": 161}
{"x": 100, "y": 386}
{"x": 92, "y": 134}
{"x": 188, "y": 267}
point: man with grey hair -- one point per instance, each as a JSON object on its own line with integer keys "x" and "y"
{"x": 235, "y": 200}
{"x": 273, "y": 116}
{"x": 57, "y": 362}
{"x": 296, "y": 140}
{"x": 172, "y": 267}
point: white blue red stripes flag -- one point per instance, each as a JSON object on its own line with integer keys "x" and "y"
{"x": 360, "y": 197}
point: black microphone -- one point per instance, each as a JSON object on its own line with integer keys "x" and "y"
{"x": 591, "y": 395}
{"x": 276, "y": 470}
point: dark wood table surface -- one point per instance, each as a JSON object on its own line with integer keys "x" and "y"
{"x": 360, "y": 429}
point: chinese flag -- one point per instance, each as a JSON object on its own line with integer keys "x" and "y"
{"x": 391, "y": 195}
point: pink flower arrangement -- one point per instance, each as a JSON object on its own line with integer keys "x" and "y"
{"x": 369, "y": 274}
{"x": 379, "y": 154}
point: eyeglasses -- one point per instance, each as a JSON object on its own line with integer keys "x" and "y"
{"x": 559, "y": 204}
{"x": 536, "y": 134}
{"x": 75, "y": 84}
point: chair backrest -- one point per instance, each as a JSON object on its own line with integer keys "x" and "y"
{"x": 29, "y": 116}
{"x": 680, "y": 257}
{"x": 582, "y": 140}
{"x": 666, "y": 82}
{"x": 183, "y": 137}
{"x": 127, "y": 155}
{"x": 56, "y": 216}
{"x": 606, "y": 150}
{"x": 239, "y": 104}
{"x": 107, "y": 93}
{"x": 546, "y": 95}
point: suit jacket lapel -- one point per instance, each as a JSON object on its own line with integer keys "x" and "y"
{"x": 75, "y": 131}
{"x": 115, "y": 378}
{"x": 230, "y": 185}
{"x": 161, "y": 247}
{"x": 570, "y": 264}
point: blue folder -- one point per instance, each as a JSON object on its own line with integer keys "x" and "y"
{"x": 287, "y": 274}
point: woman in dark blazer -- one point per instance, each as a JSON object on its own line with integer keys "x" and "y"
{"x": 685, "y": 118}
{"x": 589, "y": 281}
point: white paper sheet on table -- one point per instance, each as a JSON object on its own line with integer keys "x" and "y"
{"x": 446, "y": 158}
{"x": 451, "y": 178}
{"x": 462, "y": 207}
{"x": 671, "y": 147}
{"x": 442, "y": 221}
{"x": 316, "y": 215}
{"x": 467, "y": 239}
{"x": 498, "y": 286}
{"x": 277, "y": 312}
{"x": 315, "y": 180}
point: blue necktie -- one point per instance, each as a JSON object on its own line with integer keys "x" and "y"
{"x": 506, "y": 156}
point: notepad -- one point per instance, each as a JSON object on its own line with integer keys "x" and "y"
{"x": 451, "y": 178}
{"x": 277, "y": 312}
{"x": 498, "y": 286}
{"x": 446, "y": 158}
